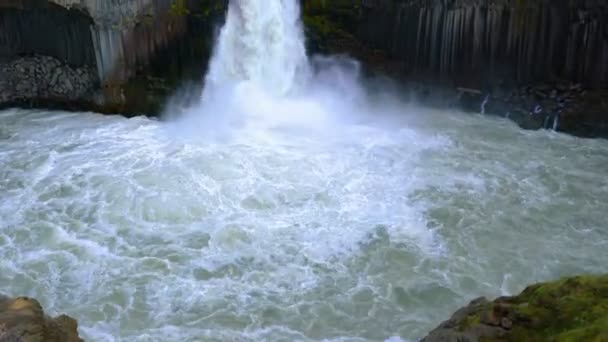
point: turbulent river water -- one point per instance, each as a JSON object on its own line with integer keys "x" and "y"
{"x": 383, "y": 232}
{"x": 290, "y": 205}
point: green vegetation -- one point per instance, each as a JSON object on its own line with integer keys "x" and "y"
{"x": 573, "y": 309}
{"x": 330, "y": 24}
{"x": 567, "y": 310}
{"x": 178, "y": 7}
{"x": 339, "y": 14}
{"x": 200, "y": 8}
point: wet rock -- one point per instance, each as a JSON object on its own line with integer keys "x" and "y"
{"x": 506, "y": 323}
{"x": 44, "y": 78}
{"x": 55, "y": 77}
{"x": 22, "y": 319}
{"x": 544, "y": 106}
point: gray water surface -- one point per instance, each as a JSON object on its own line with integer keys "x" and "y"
{"x": 378, "y": 233}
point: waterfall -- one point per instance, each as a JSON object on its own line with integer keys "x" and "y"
{"x": 260, "y": 83}
{"x": 262, "y": 42}
{"x": 556, "y": 122}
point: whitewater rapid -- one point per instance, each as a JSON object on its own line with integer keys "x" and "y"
{"x": 381, "y": 233}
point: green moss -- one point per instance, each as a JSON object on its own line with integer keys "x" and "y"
{"x": 469, "y": 322}
{"x": 330, "y": 24}
{"x": 322, "y": 26}
{"x": 567, "y": 310}
{"x": 200, "y": 8}
{"x": 178, "y": 7}
{"x": 572, "y": 309}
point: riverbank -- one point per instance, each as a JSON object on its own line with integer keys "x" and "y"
{"x": 569, "y": 309}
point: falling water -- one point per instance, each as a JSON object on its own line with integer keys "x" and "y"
{"x": 261, "y": 82}
{"x": 261, "y": 42}
{"x": 484, "y": 103}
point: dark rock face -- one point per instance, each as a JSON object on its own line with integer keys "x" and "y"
{"x": 50, "y": 30}
{"x": 450, "y": 330}
{"x": 541, "y": 63}
{"x": 44, "y": 78}
{"x": 559, "y": 106}
{"x": 22, "y": 319}
{"x": 482, "y": 41}
{"x": 131, "y": 54}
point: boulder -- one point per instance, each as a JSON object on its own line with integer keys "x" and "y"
{"x": 22, "y": 319}
{"x": 570, "y": 309}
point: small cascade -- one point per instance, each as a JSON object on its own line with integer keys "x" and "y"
{"x": 556, "y": 122}
{"x": 484, "y": 103}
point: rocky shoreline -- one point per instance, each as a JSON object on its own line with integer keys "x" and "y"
{"x": 568, "y": 309}
{"x": 44, "y": 82}
{"x": 561, "y": 106}
{"x": 41, "y": 81}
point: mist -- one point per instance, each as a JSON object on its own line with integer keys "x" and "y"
{"x": 270, "y": 90}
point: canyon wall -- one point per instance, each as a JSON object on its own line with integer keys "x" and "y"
{"x": 139, "y": 49}
{"x": 479, "y": 41}
{"x": 541, "y": 63}
{"x": 51, "y": 30}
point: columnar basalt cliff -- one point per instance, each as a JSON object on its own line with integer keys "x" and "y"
{"x": 542, "y": 63}
{"x": 123, "y": 41}
{"x": 482, "y": 41}
{"x": 34, "y": 27}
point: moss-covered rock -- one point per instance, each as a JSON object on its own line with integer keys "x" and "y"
{"x": 567, "y": 310}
